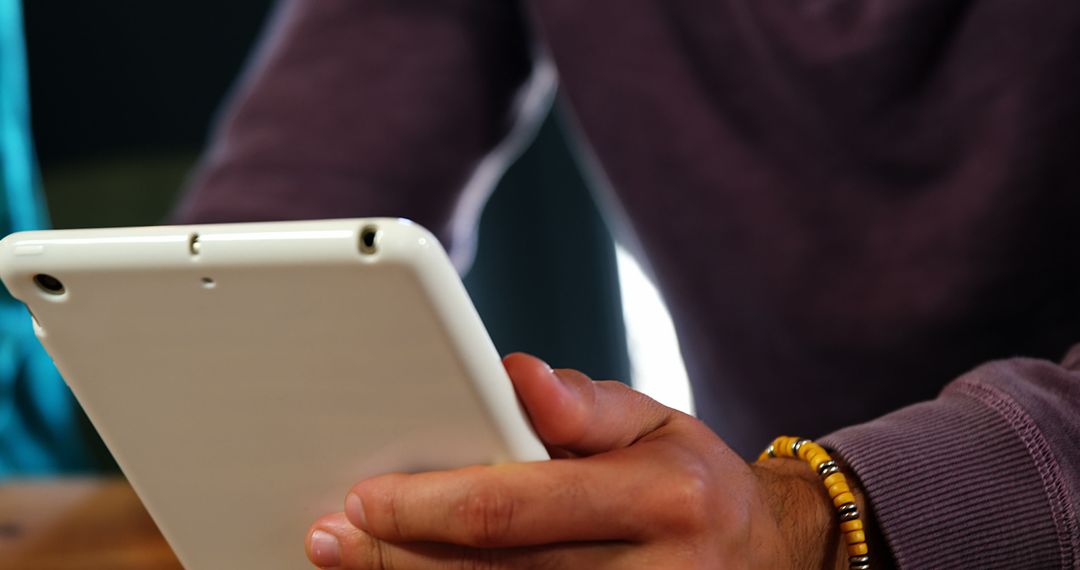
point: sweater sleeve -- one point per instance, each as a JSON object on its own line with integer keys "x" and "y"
{"x": 365, "y": 108}
{"x": 985, "y": 476}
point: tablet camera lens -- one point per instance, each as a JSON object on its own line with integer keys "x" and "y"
{"x": 49, "y": 284}
{"x": 369, "y": 239}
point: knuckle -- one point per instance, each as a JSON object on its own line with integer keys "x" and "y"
{"x": 613, "y": 385}
{"x": 393, "y": 514}
{"x": 486, "y": 513}
{"x": 384, "y": 509}
{"x": 686, "y": 498}
{"x": 374, "y": 555}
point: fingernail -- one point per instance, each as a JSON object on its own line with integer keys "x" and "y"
{"x": 325, "y": 550}
{"x": 354, "y": 511}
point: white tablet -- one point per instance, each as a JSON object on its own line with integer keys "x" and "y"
{"x": 246, "y": 375}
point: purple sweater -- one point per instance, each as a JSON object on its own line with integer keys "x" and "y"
{"x": 847, "y": 205}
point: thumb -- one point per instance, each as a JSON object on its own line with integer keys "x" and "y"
{"x": 572, "y": 412}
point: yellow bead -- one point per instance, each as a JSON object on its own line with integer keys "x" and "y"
{"x": 814, "y": 453}
{"x": 817, "y": 460}
{"x": 841, "y": 487}
{"x": 783, "y": 449}
{"x": 807, "y": 448}
{"x": 778, "y": 446}
{"x": 855, "y": 537}
{"x": 834, "y": 479}
{"x": 845, "y": 497}
{"x": 849, "y": 526}
{"x": 857, "y": 549}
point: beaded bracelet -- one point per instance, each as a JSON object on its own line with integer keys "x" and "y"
{"x": 851, "y": 523}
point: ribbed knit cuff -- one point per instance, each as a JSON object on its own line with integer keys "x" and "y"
{"x": 958, "y": 482}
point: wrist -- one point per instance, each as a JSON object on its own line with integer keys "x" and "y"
{"x": 804, "y": 514}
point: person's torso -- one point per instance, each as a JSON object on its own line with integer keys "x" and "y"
{"x": 846, "y": 204}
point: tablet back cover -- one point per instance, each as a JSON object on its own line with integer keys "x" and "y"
{"x": 245, "y": 376}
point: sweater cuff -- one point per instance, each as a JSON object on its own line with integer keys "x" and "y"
{"x": 958, "y": 482}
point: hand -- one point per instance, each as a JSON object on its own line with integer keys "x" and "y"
{"x": 634, "y": 485}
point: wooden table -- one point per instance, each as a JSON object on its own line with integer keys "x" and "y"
{"x": 78, "y": 524}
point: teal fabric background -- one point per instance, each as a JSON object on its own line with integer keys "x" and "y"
{"x": 40, "y": 430}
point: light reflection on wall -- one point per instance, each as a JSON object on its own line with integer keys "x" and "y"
{"x": 656, "y": 363}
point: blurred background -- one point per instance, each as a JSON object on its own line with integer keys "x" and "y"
{"x": 124, "y": 93}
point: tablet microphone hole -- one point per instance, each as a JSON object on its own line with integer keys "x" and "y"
{"x": 49, "y": 284}
{"x": 193, "y": 244}
{"x": 369, "y": 239}
{"x": 208, "y": 283}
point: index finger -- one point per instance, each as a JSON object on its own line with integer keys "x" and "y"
{"x": 599, "y": 498}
